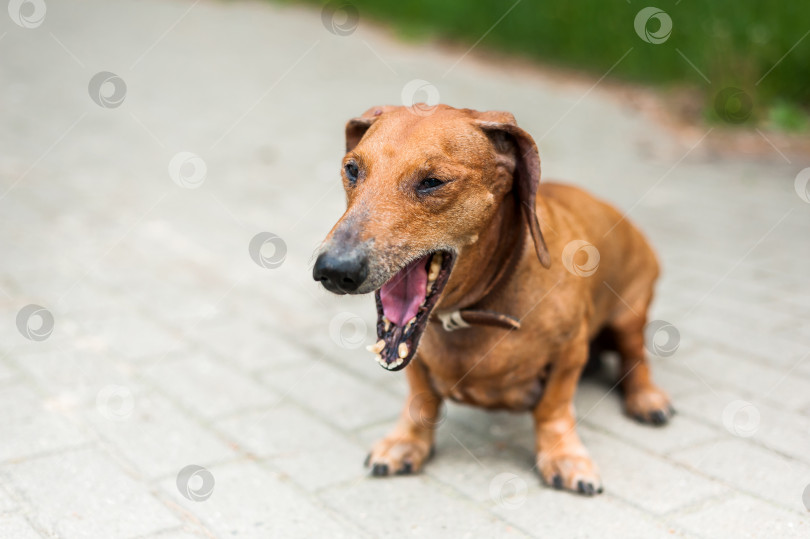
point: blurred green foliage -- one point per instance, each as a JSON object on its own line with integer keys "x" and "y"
{"x": 746, "y": 44}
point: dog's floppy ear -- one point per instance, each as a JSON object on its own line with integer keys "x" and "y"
{"x": 526, "y": 177}
{"x": 357, "y": 127}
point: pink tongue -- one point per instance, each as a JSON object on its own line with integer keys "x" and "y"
{"x": 402, "y": 295}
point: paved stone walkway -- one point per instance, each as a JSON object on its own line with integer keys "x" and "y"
{"x": 181, "y": 389}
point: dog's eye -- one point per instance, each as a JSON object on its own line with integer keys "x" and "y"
{"x": 351, "y": 172}
{"x": 429, "y": 184}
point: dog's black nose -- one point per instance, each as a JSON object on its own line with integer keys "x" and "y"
{"x": 342, "y": 273}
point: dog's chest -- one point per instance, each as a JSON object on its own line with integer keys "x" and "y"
{"x": 518, "y": 397}
{"x": 482, "y": 372}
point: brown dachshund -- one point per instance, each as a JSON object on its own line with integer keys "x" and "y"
{"x": 488, "y": 284}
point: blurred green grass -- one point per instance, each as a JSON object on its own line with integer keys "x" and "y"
{"x": 734, "y": 43}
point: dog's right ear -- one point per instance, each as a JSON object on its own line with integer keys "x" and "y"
{"x": 357, "y": 127}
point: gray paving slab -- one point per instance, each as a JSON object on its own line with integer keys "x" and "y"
{"x": 172, "y": 347}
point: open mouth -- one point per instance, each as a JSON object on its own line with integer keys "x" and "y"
{"x": 404, "y": 305}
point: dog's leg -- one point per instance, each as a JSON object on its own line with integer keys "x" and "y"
{"x": 643, "y": 400}
{"x": 410, "y": 444}
{"x": 561, "y": 458}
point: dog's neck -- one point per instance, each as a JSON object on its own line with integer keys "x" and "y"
{"x": 488, "y": 263}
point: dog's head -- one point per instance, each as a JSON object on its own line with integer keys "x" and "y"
{"x": 419, "y": 188}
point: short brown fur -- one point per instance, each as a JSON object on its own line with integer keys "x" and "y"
{"x": 537, "y": 367}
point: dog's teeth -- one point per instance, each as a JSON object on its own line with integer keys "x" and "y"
{"x": 386, "y": 323}
{"x": 377, "y": 347}
{"x": 390, "y": 366}
{"x": 399, "y": 362}
{"x": 378, "y": 359}
{"x": 435, "y": 267}
{"x": 402, "y": 350}
{"x": 409, "y": 324}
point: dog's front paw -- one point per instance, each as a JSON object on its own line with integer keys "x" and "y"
{"x": 649, "y": 405}
{"x": 400, "y": 455}
{"x": 574, "y": 472}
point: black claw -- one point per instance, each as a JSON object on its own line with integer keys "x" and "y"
{"x": 556, "y": 482}
{"x": 658, "y": 417}
{"x": 407, "y": 468}
{"x": 379, "y": 470}
{"x": 600, "y": 490}
{"x": 368, "y": 459}
{"x": 586, "y": 488}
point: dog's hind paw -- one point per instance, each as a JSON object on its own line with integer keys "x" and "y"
{"x": 571, "y": 472}
{"x": 651, "y": 406}
{"x": 395, "y": 455}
